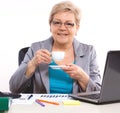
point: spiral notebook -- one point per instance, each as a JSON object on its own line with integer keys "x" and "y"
{"x": 24, "y": 98}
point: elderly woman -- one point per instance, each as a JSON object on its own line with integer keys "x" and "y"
{"x": 80, "y": 72}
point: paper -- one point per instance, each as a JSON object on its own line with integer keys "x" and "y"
{"x": 24, "y": 99}
{"x": 71, "y": 102}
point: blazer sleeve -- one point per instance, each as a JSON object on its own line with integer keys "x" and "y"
{"x": 18, "y": 81}
{"x": 94, "y": 72}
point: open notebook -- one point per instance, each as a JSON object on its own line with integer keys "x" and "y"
{"x": 110, "y": 90}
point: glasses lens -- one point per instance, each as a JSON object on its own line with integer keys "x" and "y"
{"x": 56, "y": 23}
{"x": 69, "y": 25}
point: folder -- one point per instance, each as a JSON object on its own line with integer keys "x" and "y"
{"x": 5, "y": 103}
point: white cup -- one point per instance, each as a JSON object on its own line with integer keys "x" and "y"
{"x": 58, "y": 55}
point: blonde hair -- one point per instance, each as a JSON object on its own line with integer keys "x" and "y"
{"x": 65, "y": 6}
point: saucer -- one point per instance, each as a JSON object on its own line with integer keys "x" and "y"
{"x": 56, "y": 66}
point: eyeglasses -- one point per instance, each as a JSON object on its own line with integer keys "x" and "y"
{"x": 66, "y": 24}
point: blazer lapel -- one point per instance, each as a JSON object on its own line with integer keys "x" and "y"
{"x": 45, "y": 76}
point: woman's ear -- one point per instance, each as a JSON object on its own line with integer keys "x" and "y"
{"x": 50, "y": 27}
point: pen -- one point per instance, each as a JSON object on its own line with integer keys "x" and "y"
{"x": 39, "y": 103}
{"x": 30, "y": 97}
{"x": 50, "y": 102}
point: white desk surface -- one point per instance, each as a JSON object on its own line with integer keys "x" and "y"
{"x": 32, "y": 107}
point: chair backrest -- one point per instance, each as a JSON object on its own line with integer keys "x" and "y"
{"x": 21, "y": 55}
{"x": 29, "y": 86}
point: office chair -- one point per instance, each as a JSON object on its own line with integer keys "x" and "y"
{"x": 29, "y": 86}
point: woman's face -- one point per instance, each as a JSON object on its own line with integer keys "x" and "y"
{"x": 63, "y": 27}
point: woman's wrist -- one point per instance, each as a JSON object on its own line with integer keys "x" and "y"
{"x": 83, "y": 81}
{"x": 30, "y": 68}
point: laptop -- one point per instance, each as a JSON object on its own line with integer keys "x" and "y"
{"x": 110, "y": 89}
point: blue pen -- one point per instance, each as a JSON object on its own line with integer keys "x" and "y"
{"x": 30, "y": 97}
{"x": 43, "y": 105}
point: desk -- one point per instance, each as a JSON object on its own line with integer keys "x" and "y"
{"x": 49, "y": 108}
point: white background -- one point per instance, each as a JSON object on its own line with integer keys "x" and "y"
{"x": 25, "y": 21}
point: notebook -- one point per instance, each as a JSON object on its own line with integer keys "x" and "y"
{"x": 110, "y": 90}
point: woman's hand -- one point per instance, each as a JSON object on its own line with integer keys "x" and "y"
{"x": 41, "y": 56}
{"x": 78, "y": 74}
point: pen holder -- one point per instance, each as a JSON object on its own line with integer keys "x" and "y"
{"x": 4, "y": 103}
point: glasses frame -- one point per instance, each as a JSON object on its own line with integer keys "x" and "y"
{"x": 66, "y": 24}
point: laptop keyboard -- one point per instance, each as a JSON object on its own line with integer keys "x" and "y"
{"x": 92, "y": 96}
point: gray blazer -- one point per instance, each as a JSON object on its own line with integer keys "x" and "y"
{"x": 85, "y": 57}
